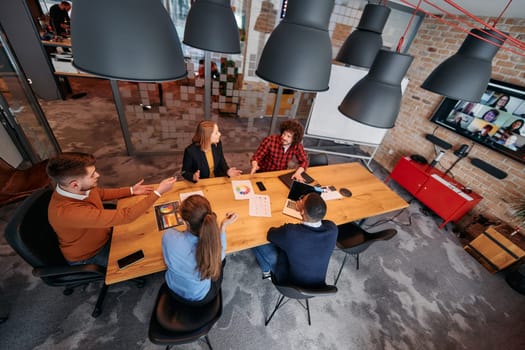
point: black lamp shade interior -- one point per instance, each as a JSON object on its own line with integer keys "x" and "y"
{"x": 211, "y": 26}
{"x": 465, "y": 75}
{"x": 375, "y": 100}
{"x": 298, "y": 53}
{"x": 363, "y": 44}
{"x": 131, "y": 40}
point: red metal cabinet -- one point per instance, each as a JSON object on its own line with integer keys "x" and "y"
{"x": 442, "y": 194}
{"x": 408, "y": 176}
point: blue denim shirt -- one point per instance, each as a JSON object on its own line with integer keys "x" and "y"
{"x": 182, "y": 275}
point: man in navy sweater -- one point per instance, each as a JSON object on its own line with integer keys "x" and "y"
{"x": 299, "y": 253}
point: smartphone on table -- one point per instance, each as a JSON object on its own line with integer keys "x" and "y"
{"x": 130, "y": 259}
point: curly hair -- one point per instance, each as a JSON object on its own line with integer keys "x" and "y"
{"x": 294, "y": 127}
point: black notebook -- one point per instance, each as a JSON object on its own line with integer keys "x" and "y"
{"x": 287, "y": 178}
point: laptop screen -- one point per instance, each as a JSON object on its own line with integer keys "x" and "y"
{"x": 298, "y": 189}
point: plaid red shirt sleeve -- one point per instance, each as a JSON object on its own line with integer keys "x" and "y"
{"x": 270, "y": 155}
{"x": 300, "y": 154}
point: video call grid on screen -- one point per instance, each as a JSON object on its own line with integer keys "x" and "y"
{"x": 498, "y": 121}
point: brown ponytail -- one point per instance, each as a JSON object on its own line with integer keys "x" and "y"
{"x": 196, "y": 210}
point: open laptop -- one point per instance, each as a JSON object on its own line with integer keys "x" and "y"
{"x": 287, "y": 178}
{"x": 297, "y": 190}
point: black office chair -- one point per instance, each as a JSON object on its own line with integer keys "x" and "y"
{"x": 298, "y": 293}
{"x": 353, "y": 240}
{"x": 317, "y": 159}
{"x": 175, "y": 322}
{"x": 31, "y": 236}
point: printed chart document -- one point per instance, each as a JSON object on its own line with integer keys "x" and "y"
{"x": 167, "y": 215}
{"x": 185, "y": 195}
{"x": 242, "y": 189}
{"x": 260, "y": 205}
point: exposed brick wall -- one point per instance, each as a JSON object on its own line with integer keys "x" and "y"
{"x": 434, "y": 43}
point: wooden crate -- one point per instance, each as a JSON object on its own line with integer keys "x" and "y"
{"x": 495, "y": 249}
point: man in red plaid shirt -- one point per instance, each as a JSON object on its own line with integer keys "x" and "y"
{"x": 276, "y": 151}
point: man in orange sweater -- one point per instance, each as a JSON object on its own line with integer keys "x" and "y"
{"x": 77, "y": 214}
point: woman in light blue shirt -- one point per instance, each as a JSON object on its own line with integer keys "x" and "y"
{"x": 194, "y": 257}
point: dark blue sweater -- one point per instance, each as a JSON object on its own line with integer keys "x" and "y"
{"x": 304, "y": 252}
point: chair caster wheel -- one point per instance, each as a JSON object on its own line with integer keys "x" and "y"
{"x": 68, "y": 291}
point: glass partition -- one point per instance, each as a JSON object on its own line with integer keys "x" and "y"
{"x": 161, "y": 117}
{"x": 20, "y": 112}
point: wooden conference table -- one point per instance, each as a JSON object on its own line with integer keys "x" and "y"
{"x": 369, "y": 197}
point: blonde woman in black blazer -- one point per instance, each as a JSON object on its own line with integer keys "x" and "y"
{"x": 204, "y": 157}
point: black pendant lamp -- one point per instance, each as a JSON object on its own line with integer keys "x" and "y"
{"x": 362, "y": 45}
{"x": 132, "y": 40}
{"x": 375, "y": 100}
{"x": 465, "y": 75}
{"x": 211, "y": 26}
{"x": 298, "y": 54}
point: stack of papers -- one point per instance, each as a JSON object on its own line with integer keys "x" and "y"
{"x": 260, "y": 205}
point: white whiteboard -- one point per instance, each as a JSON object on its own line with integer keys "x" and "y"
{"x": 326, "y": 121}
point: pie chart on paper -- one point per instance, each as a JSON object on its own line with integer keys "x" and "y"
{"x": 242, "y": 189}
{"x": 167, "y": 208}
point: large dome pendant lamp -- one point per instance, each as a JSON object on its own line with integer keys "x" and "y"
{"x": 211, "y": 26}
{"x": 133, "y": 40}
{"x": 298, "y": 53}
{"x": 375, "y": 100}
{"x": 363, "y": 44}
{"x": 465, "y": 75}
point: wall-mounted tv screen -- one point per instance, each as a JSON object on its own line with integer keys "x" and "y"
{"x": 497, "y": 121}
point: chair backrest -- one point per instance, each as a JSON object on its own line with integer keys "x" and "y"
{"x": 174, "y": 322}
{"x": 30, "y": 234}
{"x": 296, "y": 292}
{"x": 355, "y": 244}
{"x": 353, "y": 239}
{"x": 317, "y": 159}
{"x": 179, "y": 316}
